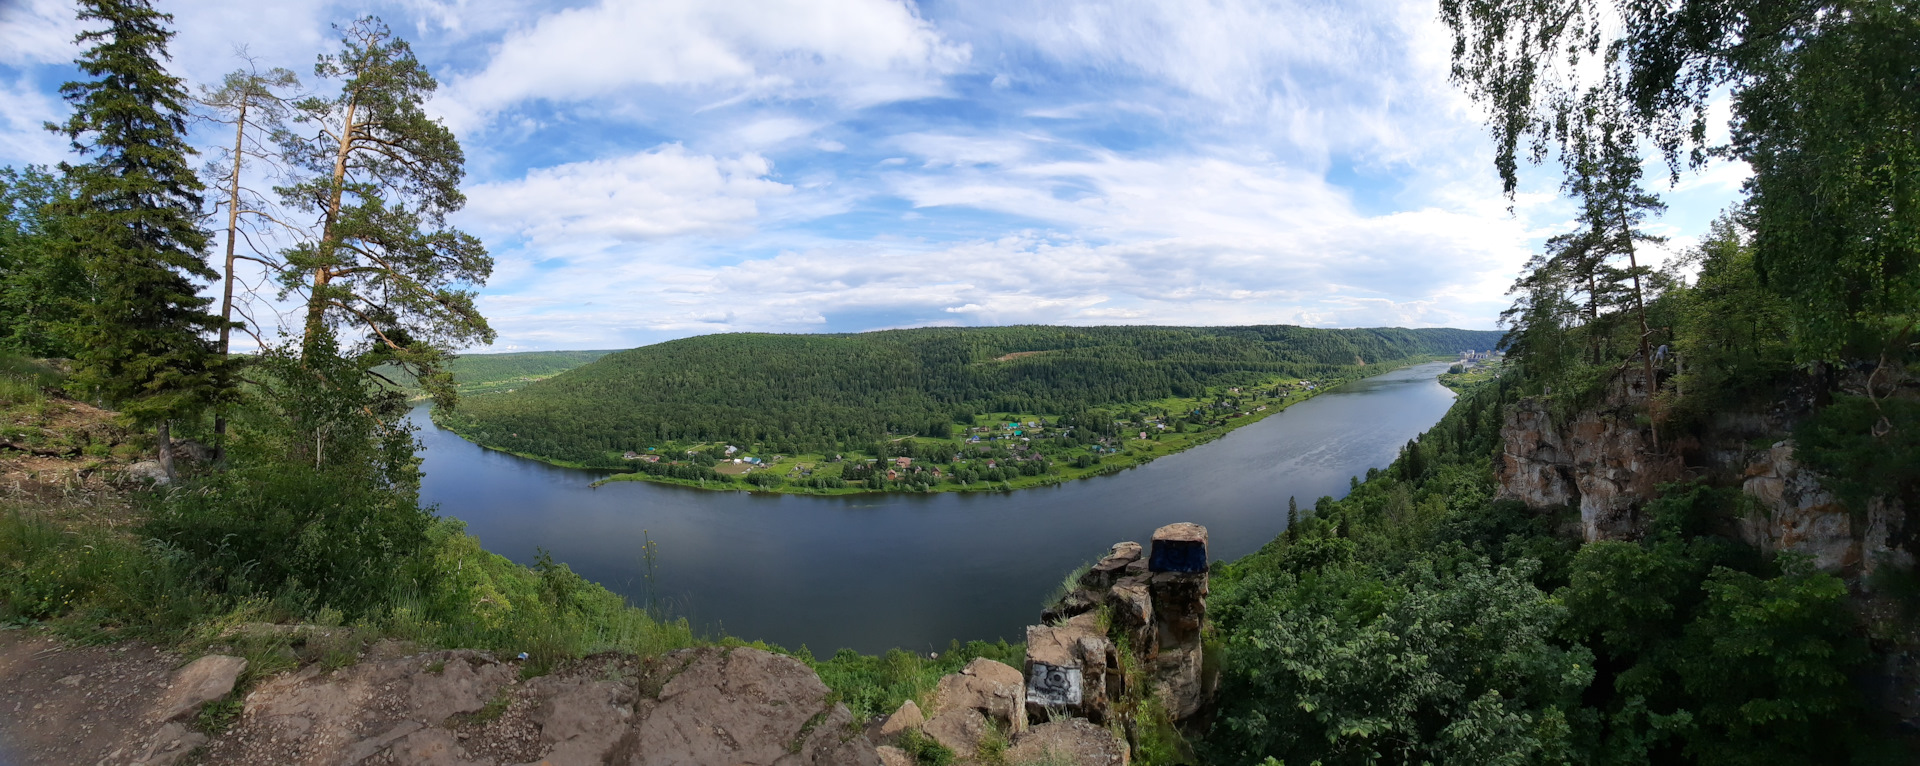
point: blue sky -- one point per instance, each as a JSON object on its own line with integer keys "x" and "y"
{"x": 649, "y": 170}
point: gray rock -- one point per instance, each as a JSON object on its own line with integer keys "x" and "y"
{"x": 147, "y": 470}
{"x": 201, "y": 681}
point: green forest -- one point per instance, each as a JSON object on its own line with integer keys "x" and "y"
{"x": 827, "y": 393}
{"x": 494, "y": 373}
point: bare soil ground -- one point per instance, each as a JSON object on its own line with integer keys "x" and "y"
{"x": 67, "y": 704}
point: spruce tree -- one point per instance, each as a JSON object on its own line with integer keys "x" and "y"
{"x": 143, "y": 343}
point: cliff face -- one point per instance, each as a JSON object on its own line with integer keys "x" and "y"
{"x": 1604, "y": 462}
{"x": 1795, "y": 513}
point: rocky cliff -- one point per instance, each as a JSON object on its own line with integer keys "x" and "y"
{"x": 1603, "y": 460}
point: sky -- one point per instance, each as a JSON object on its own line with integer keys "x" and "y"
{"x": 643, "y": 171}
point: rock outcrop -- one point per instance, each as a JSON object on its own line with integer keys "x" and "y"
{"x": 1796, "y": 513}
{"x": 964, "y": 704}
{"x": 1156, "y": 603}
{"x": 1072, "y": 670}
{"x": 1178, "y": 587}
{"x": 461, "y": 708}
{"x": 1603, "y": 461}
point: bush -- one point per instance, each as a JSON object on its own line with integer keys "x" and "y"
{"x": 290, "y": 529}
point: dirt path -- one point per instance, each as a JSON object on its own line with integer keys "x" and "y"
{"x": 64, "y": 704}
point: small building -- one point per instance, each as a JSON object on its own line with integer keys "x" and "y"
{"x": 630, "y": 455}
{"x": 732, "y": 449}
{"x": 903, "y": 461}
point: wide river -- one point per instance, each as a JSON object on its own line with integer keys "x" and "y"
{"x": 873, "y": 572}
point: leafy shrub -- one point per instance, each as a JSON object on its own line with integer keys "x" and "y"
{"x": 291, "y": 528}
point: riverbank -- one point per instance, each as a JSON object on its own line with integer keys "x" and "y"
{"x": 984, "y": 458}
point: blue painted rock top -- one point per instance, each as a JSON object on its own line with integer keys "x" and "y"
{"x": 1180, "y": 547}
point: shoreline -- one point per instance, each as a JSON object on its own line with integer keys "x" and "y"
{"x": 1108, "y": 466}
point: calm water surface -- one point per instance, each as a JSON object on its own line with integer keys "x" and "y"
{"x": 872, "y": 572}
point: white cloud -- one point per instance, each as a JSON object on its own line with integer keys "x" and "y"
{"x": 854, "y": 51}
{"x": 24, "y": 109}
{"x": 37, "y": 32}
{"x": 661, "y": 192}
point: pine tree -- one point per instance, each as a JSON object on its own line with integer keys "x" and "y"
{"x": 1293, "y": 516}
{"x": 383, "y": 178}
{"x": 143, "y": 345}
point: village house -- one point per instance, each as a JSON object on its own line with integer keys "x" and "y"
{"x": 903, "y": 461}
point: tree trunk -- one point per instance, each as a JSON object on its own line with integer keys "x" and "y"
{"x": 323, "y": 273}
{"x": 1640, "y": 306}
{"x": 233, "y": 233}
{"x": 164, "y": 434}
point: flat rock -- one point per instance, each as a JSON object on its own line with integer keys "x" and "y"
{"x": 1069, "y": 741}
{"x": 201, "y": 681}
{"x": 170, "y": 744}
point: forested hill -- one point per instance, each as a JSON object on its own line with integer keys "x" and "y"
{"x": 485, "y": 373}
{"x": 806, "y": 392}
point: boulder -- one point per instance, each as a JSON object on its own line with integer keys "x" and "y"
{"x": 893, "y": 756}
{"x": 993, "y": 689}
{"x": 170, "y": 744}
{"x": 201, "y": 681}
{"x": 1070, "y": 741}
{"x": 147, "y": 470}
{"x": 743, "y": 706}
{"x": 959, "y": 730}
{"x": 906, "y": 718}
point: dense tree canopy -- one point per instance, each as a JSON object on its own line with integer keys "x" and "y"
{"x": 819, "y": 391}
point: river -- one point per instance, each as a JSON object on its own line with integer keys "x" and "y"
{"x": 871, "y": 572}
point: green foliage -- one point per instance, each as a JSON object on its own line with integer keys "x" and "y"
{"x": 828, "y": 392}
{"x": 323, "y": 534}
{"x": 42, "y": 288}
{"x": 1822, "y": 113}
{"x": 1344, "y": 666}
{"x": 925, "y": 750}
{"x": 1363, "y": 635}
{"x": 1865, "y": 448}
{"x": 142, "y": 343}
{"x": 493, "y": 373}
{"x": 381, "y": 179}
{"x": 875, "y": 685}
